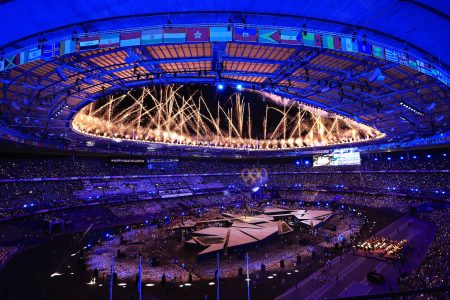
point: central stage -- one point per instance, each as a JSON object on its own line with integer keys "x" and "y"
{"x": 248, "y": 230}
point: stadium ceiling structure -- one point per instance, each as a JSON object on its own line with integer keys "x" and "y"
{"x": 383, "y": 63}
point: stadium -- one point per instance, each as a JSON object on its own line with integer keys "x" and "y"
{"x": 224, "y": 149}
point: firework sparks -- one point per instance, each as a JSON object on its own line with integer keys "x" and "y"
{"x": 163, "y": 115}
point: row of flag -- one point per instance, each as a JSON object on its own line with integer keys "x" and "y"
{"x": 218, "y": 34}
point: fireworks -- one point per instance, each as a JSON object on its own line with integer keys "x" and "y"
{"x": 163, "y": 115}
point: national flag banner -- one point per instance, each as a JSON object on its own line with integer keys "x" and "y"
{"x": 2, "y": 65}
{"x": 426, "y": 71}
{"x": 109, "y": 40}
{"x": 51, "y": 50}
{"x": 9, "y": 61}
{"x": 424, "y": 67}
{"x": 220, "y": 34}
{"x": 67, "y": 46}
{"x": 412, "y": 63}
{"x": 175, "y": 35}
{"x": 331, "y": 42}
{"x": 378, "y": 51}
{"x": 152, "y": 36}
{"x": 269, "y": 36}
{"x": 436, "y": 72}
{"x": 364, "y": 47}
{"x": 21, "y": 58}
{"x": 245, "y": 35}
{"x": 312, "y": 40}
{"x": 391, "y": 55}
{"x": 88, "y": 43}
{"x": 130, "y": 39}
{"x": 197, "y": 34}
{"x": 290, "y": 37}
{"x": 403, "y": 59}
{"x": 34, "y": 54}
{"x": 349, "y": 45}
{"x": 420, "y": 63}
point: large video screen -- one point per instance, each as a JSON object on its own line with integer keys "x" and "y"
{"x": 322, "y": 160}
{"x": 339, "y": 157}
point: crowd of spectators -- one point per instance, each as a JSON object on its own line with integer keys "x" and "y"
{"x": 6, "y": 253}
{"x": 27, "y": 191}
{"x": 434, "y": 270}
{"x": 76, "y": 166}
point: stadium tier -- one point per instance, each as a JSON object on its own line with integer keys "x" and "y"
{"x": 224, "y": 150}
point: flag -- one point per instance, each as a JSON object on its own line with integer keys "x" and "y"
{"x": 51, "y": 50}
{"x": 67, "y": 46}
{"x": 20, "y": 58}
{"x": 391, "y": 55}
{"x": 88, "y": 43}
{"x": 350, "y": 45}
{"x": 290, "y": 37}
{"x": 109, "y": 40}
{"x": 364, "y": 47}
{"x": 153, "y": 36}
{"x": 9, "y": 62}
{"x": 220, "y": 34}
{"x": 2, "y": 65}
{"x": 436, "y": 72}
{"x": 197, "y": 35}
{"x": 402, "y": 58}
{"x": 424, "y": 67}
{"x": 130, "y": 39}
{"x": 176, "y": 35}
{"x": 245, "y": 35}
{"x": 269, "y": 36}
{"x": 331, "y": 42}
{"x": 378, "y": 51}
{"x": 312, "y": 40}
{"x": 412, "y": 63}
{"x": 34, "y": 54}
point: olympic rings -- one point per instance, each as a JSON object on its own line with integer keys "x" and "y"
{"x": 254, "y": 175}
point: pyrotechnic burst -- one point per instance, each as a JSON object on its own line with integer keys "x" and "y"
{"x": 163, "y": 115}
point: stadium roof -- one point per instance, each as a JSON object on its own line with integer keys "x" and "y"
{"x": 59, "y": 56}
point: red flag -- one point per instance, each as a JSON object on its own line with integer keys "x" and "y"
{"x": 197, "y": 35}
{"x": 245, "y": 35}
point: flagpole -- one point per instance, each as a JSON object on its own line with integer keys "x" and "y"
{"x": 140, "y": 278}
{"x": 248, "y": 279}
{"x": 218, "y": 276}
{"x": 111, "y": 280}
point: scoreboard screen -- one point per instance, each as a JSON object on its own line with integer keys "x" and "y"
{"x": 339, "y": 157}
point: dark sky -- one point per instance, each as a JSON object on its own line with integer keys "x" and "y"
{"x": 212, "y": 96}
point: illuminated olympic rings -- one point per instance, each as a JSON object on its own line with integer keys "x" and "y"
{"x": 253, "y": 175}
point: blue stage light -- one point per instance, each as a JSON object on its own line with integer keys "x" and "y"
{"x": 402, "y": 158}
{"x": 239, "y": 87}
{"x": 414, "y": 156}
{"x": 428, "y": 155}
{"x": 306, "y": 162}
{"x": 220, "y": 86}
{"x": 389, "y": 158}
